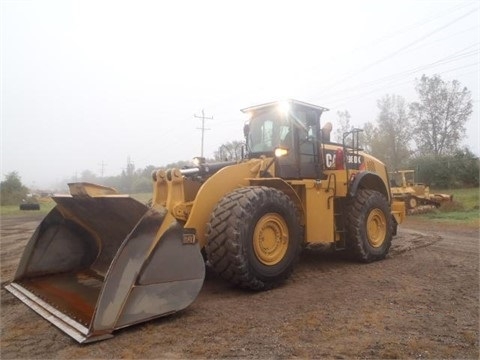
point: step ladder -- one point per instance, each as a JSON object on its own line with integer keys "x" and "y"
{"x": 340, "y": 231}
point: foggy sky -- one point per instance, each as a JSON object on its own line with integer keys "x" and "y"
{"x": 86, "y": 83}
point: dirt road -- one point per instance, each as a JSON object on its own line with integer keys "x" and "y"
{"x": 421, "y": 302}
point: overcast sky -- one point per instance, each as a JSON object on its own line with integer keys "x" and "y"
{"x": 86, "y": 83}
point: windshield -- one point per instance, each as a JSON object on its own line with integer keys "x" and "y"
{"x": 268, "y": 130}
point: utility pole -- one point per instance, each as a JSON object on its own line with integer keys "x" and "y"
{"x": 203, "y": 117}
{"x": 102, "y": 168}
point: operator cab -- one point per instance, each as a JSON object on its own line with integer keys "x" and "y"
{"x": 294, "y": 128}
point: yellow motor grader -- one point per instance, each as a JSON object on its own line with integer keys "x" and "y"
{"x": 101, "y": 261}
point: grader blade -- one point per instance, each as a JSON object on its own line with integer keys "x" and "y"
{"x": 97, "y": 264}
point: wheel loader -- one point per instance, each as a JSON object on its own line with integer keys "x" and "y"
{"x": 101, "y": 261}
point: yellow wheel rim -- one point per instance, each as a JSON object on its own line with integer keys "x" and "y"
{"x": 376, "y": 228}
{"x": 413, "y": 203}
{"x": 270, "y": 239}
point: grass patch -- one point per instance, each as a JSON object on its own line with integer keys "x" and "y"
{"x": 464, "y": 209}
{"x": 47, "y": 204}
{"x": 468, "y": 197}
{"x": 469, "y": 217}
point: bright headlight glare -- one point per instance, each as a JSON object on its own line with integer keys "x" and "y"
{"x": 284, "y": 107}
{"x": 279, "y": 152}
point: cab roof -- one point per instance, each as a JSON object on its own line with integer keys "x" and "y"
{"x": 289, "y": 101}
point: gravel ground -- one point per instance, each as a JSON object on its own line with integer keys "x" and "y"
{"x": 420, "y": 302}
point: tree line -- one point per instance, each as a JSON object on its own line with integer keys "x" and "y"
{"x": 424, "y": 135}
{"x": 131, "y": 180}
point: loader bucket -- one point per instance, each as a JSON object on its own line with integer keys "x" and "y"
{"x": 99, "y": 263}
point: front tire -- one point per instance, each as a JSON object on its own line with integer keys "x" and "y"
{"x": 253, "y": 237}
{"x": 369, "y": 226}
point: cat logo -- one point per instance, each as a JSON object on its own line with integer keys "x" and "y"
{"x": 353, "y": 161}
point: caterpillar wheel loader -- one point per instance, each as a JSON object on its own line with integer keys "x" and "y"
{"x": 101, "y": 261}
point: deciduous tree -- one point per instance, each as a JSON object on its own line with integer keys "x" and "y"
{"x": 343, "y": 125}
{"x": 394, "y": 132}
{"x": 230, "y": 151}
{"x": 12, "y": 191}
{"x": 388, "y": 139}
{"x": 440, "y": 115}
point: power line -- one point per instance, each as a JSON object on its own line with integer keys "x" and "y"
{"x": 459, "y": 55}
{"x": 431, "y": 42}
{"x": 398, "y": 78}
{"x": 403, "y": 48}
{"x": 388, "y": 37}
{"x": 413, "y": 26}
{"x": 342, "y": 100}
{"x": 203, "y": 117}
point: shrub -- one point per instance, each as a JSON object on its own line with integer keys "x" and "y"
{"x": 12, "y": 191}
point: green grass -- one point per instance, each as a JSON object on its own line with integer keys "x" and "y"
{"x": 48, "y": 204}
{"x": 464, "y": 210}
{"x": 13, "y": 210}
{"x": 469, "y": 198}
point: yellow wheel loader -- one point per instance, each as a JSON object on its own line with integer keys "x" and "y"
{"x": 101, "y": 261}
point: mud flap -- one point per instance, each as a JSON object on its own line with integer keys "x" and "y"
{"x": 96, "y": 264}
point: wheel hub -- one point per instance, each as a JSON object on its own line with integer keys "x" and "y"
{"x": 270, "y": 239}
{"x": 376, "y": 228}
{"x": 412, "y": 203}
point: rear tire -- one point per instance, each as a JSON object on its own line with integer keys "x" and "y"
{"x": 369, "y": 226}
{"x": 254, "y": 237}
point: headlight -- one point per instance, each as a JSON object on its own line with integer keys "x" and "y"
{"x": 279, "y": 152}
{"x": 284, "y": 107}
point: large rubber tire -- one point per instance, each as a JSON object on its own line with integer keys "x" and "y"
{"x": 369, "y": 226}
{"x": 29, "y": 206}
{"x": 254, "y": 237}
